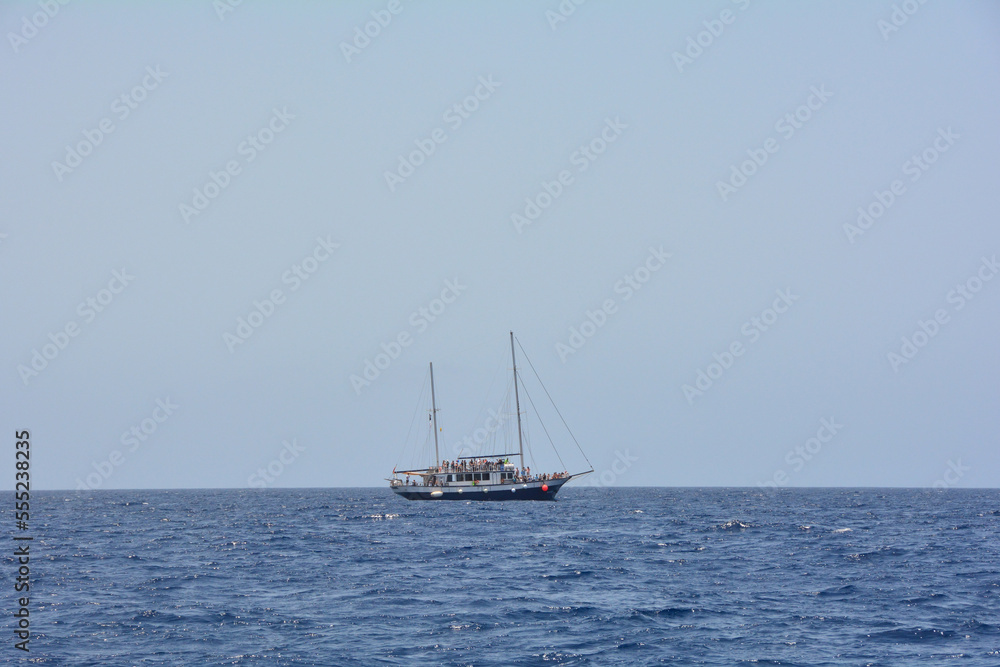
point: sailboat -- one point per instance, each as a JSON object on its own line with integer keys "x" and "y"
{"x": 492, "y": 477}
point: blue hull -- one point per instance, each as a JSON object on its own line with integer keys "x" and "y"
{"x": 491, "y": 492}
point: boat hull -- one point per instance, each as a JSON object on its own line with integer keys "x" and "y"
{"x": 486, "y": 492}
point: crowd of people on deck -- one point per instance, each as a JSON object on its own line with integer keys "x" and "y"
{"x": 521, "y": 475}
{"x": 473, "y": 465}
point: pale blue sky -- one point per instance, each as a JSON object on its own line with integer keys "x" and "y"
{"x": 341, "y": 125}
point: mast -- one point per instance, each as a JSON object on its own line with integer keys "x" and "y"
{"x": 517, "y": 402}
{"x": 434, "y": 418}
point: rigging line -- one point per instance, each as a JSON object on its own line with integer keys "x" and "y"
{"x": 510, "y": 417}
{"x": 524, "y": 427}
{"x": 496, "y": 436}
{"x": 553, "y": 404}
{"x": 426, "y": 449}
{"x": 413, "y": 420}
{"x": 503, "y": 432}
{"x": 489, "y": 391}
{"x": 529, "y": 453}
{"x": 496, "y": 439}
{"x": 543, "y": 426}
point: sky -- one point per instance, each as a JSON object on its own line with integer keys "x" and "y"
{"x": 743, "y": 243}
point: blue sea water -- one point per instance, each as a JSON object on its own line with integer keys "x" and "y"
{"x": 601, "y": 577}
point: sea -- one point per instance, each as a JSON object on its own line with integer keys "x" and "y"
{"x": 602, "y": 576}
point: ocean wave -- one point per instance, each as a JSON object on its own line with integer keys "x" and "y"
{"x": 912, "y": 634}
{"x": 841, "y": 592}
{"x": 735, "y": 524}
